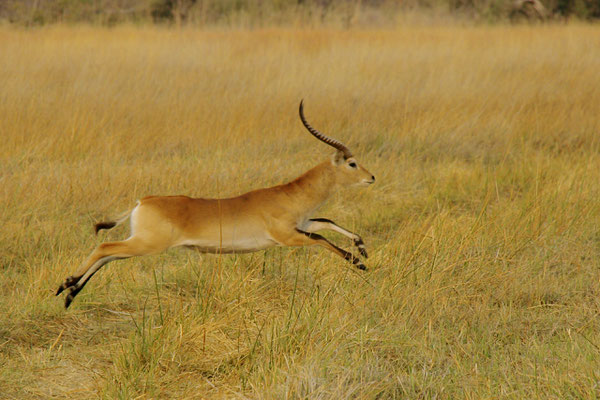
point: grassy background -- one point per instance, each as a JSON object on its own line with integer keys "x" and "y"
{"x": 483, "y": 225}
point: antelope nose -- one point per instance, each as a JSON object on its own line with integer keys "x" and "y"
{"x": 373, "y": 178}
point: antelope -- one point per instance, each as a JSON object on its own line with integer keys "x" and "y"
{"x": 257, "y": 220}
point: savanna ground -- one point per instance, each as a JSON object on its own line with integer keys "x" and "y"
{"x": 483, "y": 225}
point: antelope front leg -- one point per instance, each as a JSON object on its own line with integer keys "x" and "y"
{"x": 319, "y": 224}
{"x": 302, "y": 238}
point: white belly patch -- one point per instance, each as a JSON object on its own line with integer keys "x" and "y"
{"x": 238, "y": 245}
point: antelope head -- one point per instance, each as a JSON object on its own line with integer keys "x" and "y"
{"x": 347, "y": 169}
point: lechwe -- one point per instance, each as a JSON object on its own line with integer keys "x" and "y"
{"x": 257, "y": 220}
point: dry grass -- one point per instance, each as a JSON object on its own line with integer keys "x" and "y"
{"x": 483, "y": 225}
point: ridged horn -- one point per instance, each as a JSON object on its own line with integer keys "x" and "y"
{"x": 330, "y": 141}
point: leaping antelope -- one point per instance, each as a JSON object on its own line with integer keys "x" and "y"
{"x": 263, "y": 218}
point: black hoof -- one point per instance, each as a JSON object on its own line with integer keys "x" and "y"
{"x": 70, "y": 281}
{"x": 361, "y": 247}
{"x": 70, "y": 297}
{"x": 362, "y": 267}
{"x": 363, "y": 251}
{"x": 68, "y": 300}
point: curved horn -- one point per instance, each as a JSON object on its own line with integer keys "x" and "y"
{"x": 330, "y": 141}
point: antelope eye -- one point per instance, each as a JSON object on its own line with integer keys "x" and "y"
{"x": 352, "y": 164}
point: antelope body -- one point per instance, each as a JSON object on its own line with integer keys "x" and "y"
{"x": 263, "y": 218}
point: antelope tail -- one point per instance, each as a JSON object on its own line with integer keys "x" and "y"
{"x": 111, "y": 224}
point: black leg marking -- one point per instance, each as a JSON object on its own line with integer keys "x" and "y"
{"x": 71, "y": 296}
{"x": 322, "y": 220}
{"x": 347, "y": 255}
{"x": 361, "y": 247}
{"x": 357, "y": 242}
{"x": 70, "y": 281}
{"x": 76, "y": 286}
{"x": 75, "y": 289}
{"x": 355, "y": 260}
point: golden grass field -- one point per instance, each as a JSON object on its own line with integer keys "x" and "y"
{"x": 483, "y": 225}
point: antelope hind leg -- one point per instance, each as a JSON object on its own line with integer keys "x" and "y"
{"x": 103, "y": 254}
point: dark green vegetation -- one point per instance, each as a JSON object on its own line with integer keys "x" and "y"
{"x": 283, "y": 12}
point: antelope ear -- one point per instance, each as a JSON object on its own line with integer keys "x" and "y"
{"x": 338, "y": 158}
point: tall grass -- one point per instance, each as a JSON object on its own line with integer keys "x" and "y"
{"x": 482, "y": 226}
